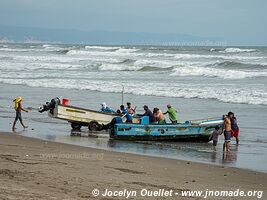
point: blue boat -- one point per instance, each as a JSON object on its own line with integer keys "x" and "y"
{"x": 191, "y": 131}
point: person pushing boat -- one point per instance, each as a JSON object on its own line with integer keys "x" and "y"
{"x": 172, "y": 112}
{"x": 159, "y": 116}
{"x": 227, "y": 133}
{"x": 215, "y": 136}
{"x": 234, "y": 126}
{"x": 115, "y": 120}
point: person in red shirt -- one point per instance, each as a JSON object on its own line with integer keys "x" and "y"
{"x": 18, "y": 108}
{"x": 131, "y": 110}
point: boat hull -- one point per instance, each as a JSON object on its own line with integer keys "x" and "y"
{"x": 82, "y": 116}
{"x": 178, "y": 138}
{"x": 191, "y": 132}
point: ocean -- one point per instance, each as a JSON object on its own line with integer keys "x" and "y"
{"x": 199, "y": 82}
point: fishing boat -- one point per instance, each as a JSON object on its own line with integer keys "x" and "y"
{"x": 191, "y": 131}
{"x": 77, "y": 116}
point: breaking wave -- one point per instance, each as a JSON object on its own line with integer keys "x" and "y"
{"x": 107, "y": 48}
{"x": 171, "y": 72}
{"x": 215, "y": 72}
{"x": 237, "y": 50}
{"x": 151, "y": 69}
{"x": 239, "y": 65}
{"x": 115, "y": 67}
{"x": 188, "y": 91}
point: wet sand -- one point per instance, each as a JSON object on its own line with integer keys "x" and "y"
{"x": 36, "y": 169}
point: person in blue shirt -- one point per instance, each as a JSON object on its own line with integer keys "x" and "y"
{"x": 106, "y": 109}
{"x": 125, "y": 113}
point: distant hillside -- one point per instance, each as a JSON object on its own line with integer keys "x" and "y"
{"x": 28, "y": 34}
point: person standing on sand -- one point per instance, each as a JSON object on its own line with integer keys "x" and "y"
{"x": 227, "y": 133}
{"x": 214, "y": 136}
{"x": 234, "y": 126}
{"x": 18, "y": 108}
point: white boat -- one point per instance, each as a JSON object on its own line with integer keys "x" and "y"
{"x": 79, "y": 117}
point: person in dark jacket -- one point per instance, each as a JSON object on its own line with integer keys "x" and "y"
{"x": 148, "y": 113}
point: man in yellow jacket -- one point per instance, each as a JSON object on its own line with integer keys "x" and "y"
{"x": 18, "y": 108}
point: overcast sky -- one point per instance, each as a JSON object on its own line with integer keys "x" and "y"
{"x": 237, "y": 21}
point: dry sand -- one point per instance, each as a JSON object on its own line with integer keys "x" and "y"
{"x": 36, "y": 169}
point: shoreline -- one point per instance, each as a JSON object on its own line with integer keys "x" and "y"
{"x": 250, "y": 154}
{"x": 35, "y": 168}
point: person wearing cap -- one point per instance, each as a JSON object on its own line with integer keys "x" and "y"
{"x": 148, "y": 113}
{"x": 18, "y": 108}
{"x": 105, "y": 108}
{"x": 172, "y": 114}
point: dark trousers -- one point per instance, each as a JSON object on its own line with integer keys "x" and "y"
{"x": 18, "y": 117}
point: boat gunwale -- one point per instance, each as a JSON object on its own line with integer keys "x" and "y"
{"x": 86, "y": 109}
{"x": 168, "y": 125}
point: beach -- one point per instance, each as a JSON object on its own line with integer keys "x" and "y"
{"x": 45, "y": 161}
{"x": 36, "y": 169}
{"x": 133, "y": 100}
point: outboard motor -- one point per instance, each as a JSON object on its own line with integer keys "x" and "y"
{"x": 49, "y": 106}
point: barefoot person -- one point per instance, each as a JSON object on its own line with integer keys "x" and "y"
{"x": 215, "y": 136}
{"x": 234, "y": 126}
{"x": 18, "y": 108}
{"x": 227, "y": 133}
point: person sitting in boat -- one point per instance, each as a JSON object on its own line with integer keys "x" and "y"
{"x": 124, "y": 112}
{"x": 147, "y": 113}
{"x": 159, "y": 116}
{"x": 105, "y": 108}
{"x": 172, "y": 114}
{"x": 131, "y": 110}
